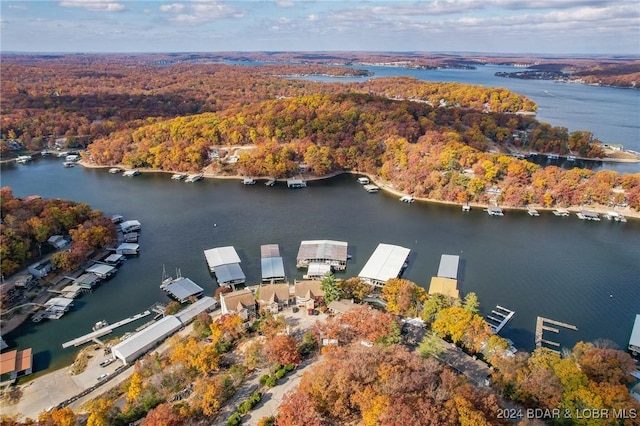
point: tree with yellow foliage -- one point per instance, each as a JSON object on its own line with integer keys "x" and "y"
{"x": 403, "y": 297}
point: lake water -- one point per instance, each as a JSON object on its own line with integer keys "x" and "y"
{"x": 582, "y": 273}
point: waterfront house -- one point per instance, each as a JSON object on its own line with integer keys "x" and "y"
{"x": 15, "y": 363}
{"x": 333, "y": 253}
{"x": 241, "y": 302}
{"x": 274, "y": 297}
{"x": 307, "y": 293}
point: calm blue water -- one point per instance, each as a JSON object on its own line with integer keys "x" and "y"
{"x": 560, "y": 268}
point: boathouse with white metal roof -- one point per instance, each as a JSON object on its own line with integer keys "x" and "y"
{"x": 387, "y": 261}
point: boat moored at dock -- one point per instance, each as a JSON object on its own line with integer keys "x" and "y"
{"x": 615, "y": 216}
{"x": 24, "y": 159}
{"x": 194, "y": 178}
{"x": 296, "y": 183}
{"x": 532, "y": 211}
{"x": 178, "y": 176}
{"x": 561, "y": 212}
{"x": 588, "y": 215}
{"x": 131, "y": 173}
{"x": 363, "y": 181}
{"x": 115, "y": 170}
{"x": 130, "y": 226}
{"x": 407, "y": 199}
{"x": 371, "y": 188}
{"x": 248, "y": 181}
{"x": 494, "y": 211}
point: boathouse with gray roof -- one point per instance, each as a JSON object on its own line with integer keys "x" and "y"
{"x": 333, "y": 253}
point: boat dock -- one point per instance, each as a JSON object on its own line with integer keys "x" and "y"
{"x": 94, "y": 335}
{"x": 499, "y": 317}
{"x": 542, "y": 325}
{"x": 532, "y": 211}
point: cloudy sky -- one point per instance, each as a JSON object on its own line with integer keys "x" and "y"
{"x": 506, "y": 26}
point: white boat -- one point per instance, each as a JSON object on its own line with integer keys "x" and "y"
{"x": 114, "y": 170}
{"x": 248, "y": 181}
{"x": 99, "y": 325}
{"x": 72, "y": 157}
{"x": 407, "y": 199}
{"x": 494, "y": 211}
{"x": 611, "y": 215}
{"x": 131, "y": 173}
{"x": 193, "y": 178}
{"x": 371, "y": 188}
{"x": 130, "y": 226}
{"x": 24, "y": 159}
{"x": 588, "y": 215}
{"x": 363, "y": 180}
{"x": 571, "y": 158}
{"x": 45, "y": 153}
{"x": 561, "y": 212}
{"x": 532, "y": 211}
{"x": 270, "y": 182}
{"x": 69, "y": 164}
{"x": 62, "y": 154}
{"x": 553, "y": 156}
{"x": 178, "y": 176}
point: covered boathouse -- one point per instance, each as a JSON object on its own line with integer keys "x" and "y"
{"x": 387, "y": 261}
{"x": 182, "y": 289}
{"x": 148, "y": 338}
{"x": 271, "y": 263}
{"x": 332, "y": 253}
{"x": 224, "y": 262}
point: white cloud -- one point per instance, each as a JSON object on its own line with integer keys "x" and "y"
{"x": 203, "y": 11}
{"x": 312, "y": 18}
{"x": 285, "y": 4}
{"x": 18, "y": 6}
{"x": 94, "y": 5}
{"x": 175, "y": 7}
{"x": 284, "y": 20}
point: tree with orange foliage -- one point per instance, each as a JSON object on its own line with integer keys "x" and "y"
{"x": 282, "y": 349}
{"x": 297, "y": 409}
{"x": 162, "y": 415}
{"x": 58, "y": 417}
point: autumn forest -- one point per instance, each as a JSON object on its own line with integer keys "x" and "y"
{"x": 442, "y": 141}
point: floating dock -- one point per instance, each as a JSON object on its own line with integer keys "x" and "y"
{"x": 499, "y": 317}
{"x": 103, "y": 331}
{"x": 542, "y": 325}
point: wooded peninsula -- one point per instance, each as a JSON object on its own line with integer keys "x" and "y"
{"x": 443, "y": 141}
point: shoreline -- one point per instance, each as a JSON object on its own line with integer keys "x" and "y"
{"x": 388, "y": 187}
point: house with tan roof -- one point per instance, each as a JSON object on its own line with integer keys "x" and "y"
{"x": 307, "y": 292}
{"x": 241, "y": 302}
{"x": 274, "y": 297}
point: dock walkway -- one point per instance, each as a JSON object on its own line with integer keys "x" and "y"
{"x": 541, "y": 326}
{"x": 500, "y": 316}
{"x": 103, "y": 331}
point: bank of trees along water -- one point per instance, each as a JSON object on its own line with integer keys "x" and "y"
{"x": 27, "y": 224}
{"x": 370, "y": 372}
